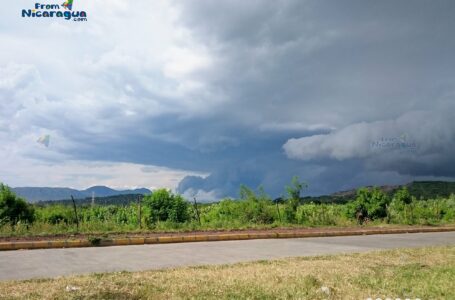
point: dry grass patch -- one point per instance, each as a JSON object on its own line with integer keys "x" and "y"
{"x": 426, "y": 273}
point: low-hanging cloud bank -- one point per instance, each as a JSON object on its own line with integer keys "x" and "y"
{"x": 416, "y": 143}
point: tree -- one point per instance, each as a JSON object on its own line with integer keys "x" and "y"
{"x": 166, "y": 206}
{"x": 293, "y": 200}
{"x": 14, "y": 209}
{"x": 295, "y": 189}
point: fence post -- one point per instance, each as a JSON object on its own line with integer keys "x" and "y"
{"x": 197, "y": 211}
{"x": 140, "y": 212}
{"x": 278, "y": 210}
{"x": 75, "y": 212}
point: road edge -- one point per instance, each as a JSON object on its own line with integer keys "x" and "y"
{"x": 99, "y": 242}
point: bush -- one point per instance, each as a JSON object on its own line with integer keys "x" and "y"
{"x": 256, "y": 208}
{"x": 251, "y": 209}
{"x": 293, "y": 200}
{"x": 313, "y": 214}
{"x": 166, "y": 206}
{"x": 423, "y": 212}
{"x": 227, "y": 211}
{"x": 403, "y": 196}
{"x": 56, "y": 214}
{"x": 371, "y": 204}
{"x": 14, "y": 209}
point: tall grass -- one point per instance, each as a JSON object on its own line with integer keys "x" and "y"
{"x": 429, "y": 212}
{"x": 227, "y": 214}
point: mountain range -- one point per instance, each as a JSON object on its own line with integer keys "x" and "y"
{"x": 35, "y": 194}
{"x": 418, "y": 189}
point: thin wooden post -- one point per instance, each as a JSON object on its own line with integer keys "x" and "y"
{"x": 197, "y": 211}
{"x": 140, "y": 212}
{"x": 278, "y": 210}
{"x": 75, "y": 212}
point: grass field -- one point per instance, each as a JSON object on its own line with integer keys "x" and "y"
{"x": 225, "y": 215}
{"x": 425, "y": 273}
{"x": 164, "y": 211}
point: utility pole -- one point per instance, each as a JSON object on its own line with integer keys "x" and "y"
{"x": 93, "y": 198}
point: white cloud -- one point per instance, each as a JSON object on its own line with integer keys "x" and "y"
{"x": 415, "y": 141}
{"x": 83, "y": 174}
{"x": 202, "y": 196}
{"x": 183, "y": 61}
{"x": 88, "y": 81}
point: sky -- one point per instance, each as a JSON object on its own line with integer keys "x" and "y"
{"x": 203, "y": 96}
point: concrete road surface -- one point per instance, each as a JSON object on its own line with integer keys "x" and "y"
{"x": 26, "y": 264}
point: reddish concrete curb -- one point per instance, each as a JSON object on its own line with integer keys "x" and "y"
{"x": 4, "y": 246}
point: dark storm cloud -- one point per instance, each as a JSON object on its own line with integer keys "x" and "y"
{"x": 259, "y": 91}
{"x": 336, "y": 64}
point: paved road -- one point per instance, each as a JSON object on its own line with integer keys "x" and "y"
{"x": 26, "y": 264}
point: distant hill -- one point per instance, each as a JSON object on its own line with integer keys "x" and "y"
{"x": 106, "y": 195}
{"x": 34, "y": 194}
{"x": 104, "y": 191}
{"x": 388, "y": 189}
{"x": 431, "y": 189}
{"x": 125, "y": 199}
{"x": 418, "y": 189}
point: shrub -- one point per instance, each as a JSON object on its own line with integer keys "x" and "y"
{"x": 14, "y": 209}
{"x": 252, "y": 208}
{"x": 370, "y": 204}
{"x": 56, "y": 214}
{"x": 403, "y": 196}
{"x": 227, "y": 211}
{"x": 166, "y": 206}
{"x": 426, "y": 212}
{"x": 313, "y": 214}
{"x": 256, "y": 208}
{"x": 293, "y": 200}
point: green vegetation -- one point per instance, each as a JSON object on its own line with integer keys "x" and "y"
{"x": 424, "y": 273}
{"x": 166, "y": 211}
{"x": 370, "y": 204}
{"x": 293, "y": 201}
{"x": 14, "y": 210}
{"x": 124, "y": 199}
{"x": 431, "y": 189}
{"x": 165, "y": 206}
{"x": 418, "y": 189}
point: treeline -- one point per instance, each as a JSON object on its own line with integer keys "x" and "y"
{"x": 164, "y": 210}
{"x": 431, "y": 189}
{"x": 125, "y": 199}
{"x": 419, "y": 189}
